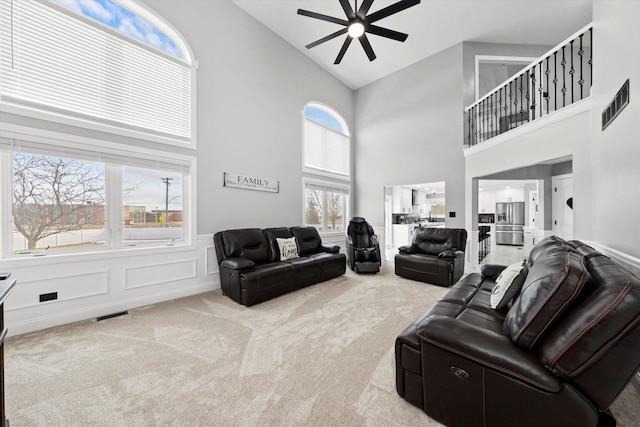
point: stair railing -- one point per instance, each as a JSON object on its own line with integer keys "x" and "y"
{"x": 557, "y": 79}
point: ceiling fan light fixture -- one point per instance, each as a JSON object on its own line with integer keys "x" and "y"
{"x": 356, "y": 29}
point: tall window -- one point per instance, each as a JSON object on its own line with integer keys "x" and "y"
{"x": 327, "y": 165}
{"x": 111, "y": 66}
{"x": 96, "y": 62}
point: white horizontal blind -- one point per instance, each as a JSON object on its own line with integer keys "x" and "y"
{"x": 326, "y": 187}
{"x": 325, "y": 149}
{"x": 53, "y": 60}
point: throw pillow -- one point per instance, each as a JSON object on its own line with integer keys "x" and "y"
{"x": 288, "y": 248}
{"x": 507, "y": 285}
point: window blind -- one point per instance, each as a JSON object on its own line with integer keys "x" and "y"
{"x": 55, "y": 61}
{"x": 325, "y": 149}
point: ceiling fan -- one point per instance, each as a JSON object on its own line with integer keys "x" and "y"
{"x": 358, "y": 24}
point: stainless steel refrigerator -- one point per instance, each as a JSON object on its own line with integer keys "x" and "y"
{"x": 510, "y": 223}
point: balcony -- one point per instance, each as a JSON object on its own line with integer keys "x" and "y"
{"x": 554, "y": 81}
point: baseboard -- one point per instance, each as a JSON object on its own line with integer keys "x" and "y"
{"x": 44, "y": 322}
{"x": 636, "y": 382}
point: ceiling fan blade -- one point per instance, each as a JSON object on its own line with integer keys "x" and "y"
{"x": 364, "y": 41}
{"x": 327, "y": 38}
{"x": 385, "y": 32}
{"x": 390, "y": 10}
{"x": 322, "y": 17}
{"x": 348, "y": 10}
{"x": 364, "y": 8}
{"x": 343, "y": 50}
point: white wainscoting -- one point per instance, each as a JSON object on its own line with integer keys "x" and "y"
{"x": 106, "y": 283}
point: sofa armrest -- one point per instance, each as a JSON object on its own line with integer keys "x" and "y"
{"x": 487, "y": 348}
{"x": 451, "y": 253}
{"x": 237, "y": 263}
{"x": 405, "y": 249}
{"x": 332, "y": 249}
{"x": 492, "y": 270}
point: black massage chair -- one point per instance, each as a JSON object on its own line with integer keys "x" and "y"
{"x": 363, "y": 249}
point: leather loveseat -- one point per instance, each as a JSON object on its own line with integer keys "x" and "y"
{"x": 251, "y": 269}
{"x": 557, "y": 355}
{"x": 435, "y": 256}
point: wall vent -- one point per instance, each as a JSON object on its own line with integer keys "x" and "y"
{"x": 614, "y": 108}
{"x": 109, "y": 316}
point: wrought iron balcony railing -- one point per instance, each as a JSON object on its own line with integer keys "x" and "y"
{"x": 555, "y": 80}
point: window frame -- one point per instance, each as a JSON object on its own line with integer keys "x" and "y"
{"x": 338, "y": 117}
{"x": 94, "y": 124}
{"x": 329, "y": 185}
{"x": 115, "y": 243}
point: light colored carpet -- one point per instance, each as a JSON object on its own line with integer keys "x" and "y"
{"x": 321, "y": 356}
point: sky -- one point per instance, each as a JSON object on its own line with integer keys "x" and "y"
{"x": 115, "y": 16}
{"x": 321, "y": 116}
{"x": 144, "y": 187}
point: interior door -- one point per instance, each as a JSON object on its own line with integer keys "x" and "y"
{"x": 562, "y": 220}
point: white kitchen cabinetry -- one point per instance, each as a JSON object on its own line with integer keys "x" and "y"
{"x": 487, "y": 201}
{"x": 510, "y": 195}
{"x": 401, "y": 199}
{"x": 400, "y": 234}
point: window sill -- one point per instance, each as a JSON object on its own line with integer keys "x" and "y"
{"x": 103, "y": 254}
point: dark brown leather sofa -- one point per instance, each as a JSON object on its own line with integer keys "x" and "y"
{"x": 251, "y": 271}
{"x": 436, "y": 256}
{"x": 557, "y": 355}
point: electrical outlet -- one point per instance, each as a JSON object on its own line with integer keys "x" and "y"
{"x": 48, "y": 297}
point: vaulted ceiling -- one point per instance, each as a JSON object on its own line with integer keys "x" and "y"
{"x": 432, "y": 25}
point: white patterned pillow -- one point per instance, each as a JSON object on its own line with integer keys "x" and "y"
{"x": 288, "y": 248}
{"x": 507, "y": 286}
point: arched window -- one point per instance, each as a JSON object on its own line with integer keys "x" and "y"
{"x": 326, "y": 155}
{"x": 326, "y": 141}
{"x": 98, "y": 63}
{"x": 114, "y": 67}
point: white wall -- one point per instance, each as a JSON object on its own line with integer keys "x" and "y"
{"x": 614, "y": 153}
{"x": 251, "y": 89}
{"x": 409, "y": 131}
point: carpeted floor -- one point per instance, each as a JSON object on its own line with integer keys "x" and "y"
{"x": 321, "y": 356}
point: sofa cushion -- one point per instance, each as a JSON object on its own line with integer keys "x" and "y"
{"x": 276, "y": 233}
{"x": 248, "y": 243}
{"x": 432, "y": 241}
{"x": 308, "y": 240}
{"x": 287, "y": 248}
{"x": 546, "y": 246}
{"x": 598, "y": 323}
{"x": 508, "y": 285}
{"x": 553, "y": 284}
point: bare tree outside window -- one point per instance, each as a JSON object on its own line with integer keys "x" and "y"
{"x": 313, "y": 214}
{"x": 53, "y": 195}
{"x": 324, "y": 209}
{"x": 334, "y": 209}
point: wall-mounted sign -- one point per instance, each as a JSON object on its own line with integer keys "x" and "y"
{"x": 251, "y": 183}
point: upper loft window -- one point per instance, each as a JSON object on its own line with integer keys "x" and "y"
{"x": 326, "y": 141}
{"x": 116, "y": 67}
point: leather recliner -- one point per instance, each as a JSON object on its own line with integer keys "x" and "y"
{"x": 435, "y": 256}
{"x": 557, "y": 355}
{"x": 363, "y": 248}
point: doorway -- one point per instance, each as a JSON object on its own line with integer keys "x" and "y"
{"x": 562, "y": 215}
{"x": 491, "y": 71}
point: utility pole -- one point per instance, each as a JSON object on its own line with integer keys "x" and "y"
{"x": 167, "y": 182}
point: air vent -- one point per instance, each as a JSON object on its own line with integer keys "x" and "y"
{"x": 618, "y": 103}
{"x": 109, "y": 316}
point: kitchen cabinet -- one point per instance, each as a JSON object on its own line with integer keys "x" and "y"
{"x": 401, "y": 233}
{"x": 509, "y": 195}
{"x": 401, "y": 199}
{"x": 487, "y": 201}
